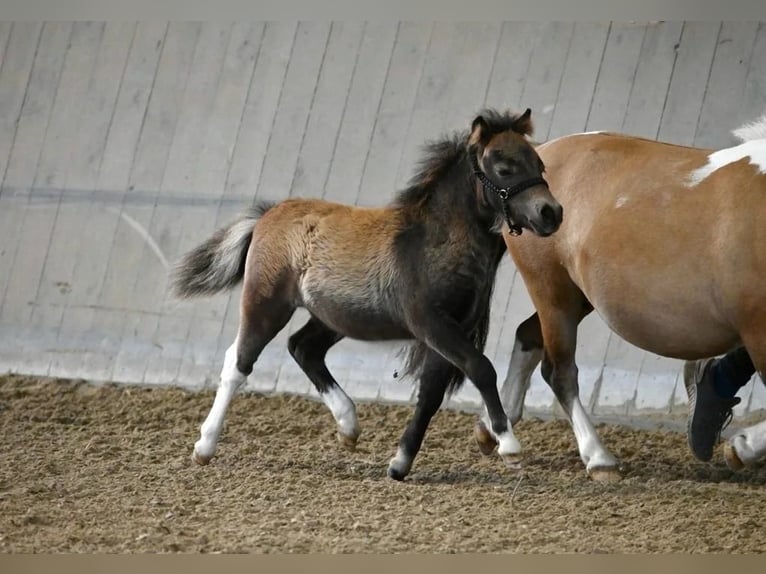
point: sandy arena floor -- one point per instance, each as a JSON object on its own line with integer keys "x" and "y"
{"x": 107, "y": 469}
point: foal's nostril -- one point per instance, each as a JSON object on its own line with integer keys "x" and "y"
{"x": 548, "y": 215}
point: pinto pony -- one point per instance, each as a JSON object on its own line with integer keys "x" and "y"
{"x": 421, "y": 268}
{"x": 667, "y": 243}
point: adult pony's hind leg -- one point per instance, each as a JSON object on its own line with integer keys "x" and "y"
{"x": 260, "y": 321}
{"x": 526, "y": 355}
{"x": 436, "y": 375}
{"x": 748, "y": 445}
{"x": 309, "y": 346}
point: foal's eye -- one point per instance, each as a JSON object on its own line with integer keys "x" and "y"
{"x": 503, "y": 171}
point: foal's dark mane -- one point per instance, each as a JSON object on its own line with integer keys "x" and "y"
{"x": 441, "y": 155}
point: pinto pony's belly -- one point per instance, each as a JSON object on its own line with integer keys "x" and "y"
{"x": 676, "y": 329}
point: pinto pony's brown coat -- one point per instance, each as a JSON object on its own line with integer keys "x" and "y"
{"x": 674, "y": 262}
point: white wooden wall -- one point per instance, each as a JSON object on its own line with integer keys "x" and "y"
{"x": 122, "y": 145}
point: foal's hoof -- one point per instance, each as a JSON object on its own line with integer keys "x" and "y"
{"x": 199, "y": 459}
{"x": 512, "y": 461}
{"x": 484, "y": 439}
{"x": 605, "y": 474}
{"x": 346, "y": 441}
{"x": 396, "y": 473}
{"x": 732, "y": 458}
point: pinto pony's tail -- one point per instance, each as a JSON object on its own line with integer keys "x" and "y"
{"x": 219, "y": 263}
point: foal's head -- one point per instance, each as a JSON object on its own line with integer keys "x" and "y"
{"x": 511, "y": 172}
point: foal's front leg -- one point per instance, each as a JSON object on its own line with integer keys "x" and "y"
{"x": 445, "y": 336}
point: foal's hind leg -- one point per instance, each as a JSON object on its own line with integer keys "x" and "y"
{"x": 259, "y": 324}
{"x": 433, "y": 384}
{"x": 527, "y": 354}
{"x": 308, "y": 346}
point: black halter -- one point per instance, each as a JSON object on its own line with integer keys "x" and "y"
{"x": 505, "y": 193}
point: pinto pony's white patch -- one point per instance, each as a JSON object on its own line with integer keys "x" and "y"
{"x": 754, "y": 150}
{"x": 751, "y": 131}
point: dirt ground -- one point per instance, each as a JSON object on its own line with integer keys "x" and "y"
{"x": 106, "y": 469}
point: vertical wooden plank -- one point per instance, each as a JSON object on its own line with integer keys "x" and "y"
{"x": 753, "y": 106}
{"x": 145, "y": 181}
{"x": 35, "y": 163}
{"x": 392, "y": 120}
{"x": 688, "y": 83}
{"x": 71, "y": 234}
{"x": 615, "y": 79}
{"x": 30, "y": 135}
{"x": 5, "y": 38}
{"x": 51, "y": 178}
{"x": 725, "y": 92}
{"x": 167, "y": 222}
{"x": 328, "y": 108}
{"x": 652, "y": 80}
{"x": 365, "y": 93}
{"x": 104, "y": 325}
{"x": 545, "y": 75}
{"x": 295, "y": 104}
{"x": 18, "y": 56}
{"x": 586, "y": 53}
{"x": 512, "y": 64}
{"x": 15, "y": 77}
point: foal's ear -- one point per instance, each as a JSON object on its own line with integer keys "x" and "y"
{"x": 479, "y": 131}
{"x": 523, "y": 124}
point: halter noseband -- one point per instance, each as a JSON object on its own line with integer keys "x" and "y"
{"x": 505, "y": 193}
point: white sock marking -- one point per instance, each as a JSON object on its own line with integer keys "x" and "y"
{"x": 343, "y": 410}
{"x": 592, "y": 452}
{"x": 231, "y": 380}
{"x": 750, "y": 443}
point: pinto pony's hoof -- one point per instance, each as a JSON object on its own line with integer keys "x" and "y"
{"x": 199, "y": 459}
{"x": 512, "y": 461}
{"x": 732, "y": 458}
{"x": 484, "y": 439}
{"x": 605, "y": 474}
{"x": 347, "y": 442}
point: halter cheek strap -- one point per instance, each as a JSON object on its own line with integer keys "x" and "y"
{"x": 505, "y": 193}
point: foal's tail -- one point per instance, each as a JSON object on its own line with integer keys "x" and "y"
{"x": 219, "y": 263}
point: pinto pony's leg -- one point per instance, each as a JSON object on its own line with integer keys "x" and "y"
{"x": 559, "y": 327}
{"x": 748, "y": 445}
{"x": 433, "y": 384}
{"x": 526, "y": 355}
{"x": 308, "y": 347}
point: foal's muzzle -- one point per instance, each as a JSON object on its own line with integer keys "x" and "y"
{"x": 548, "y": 220}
